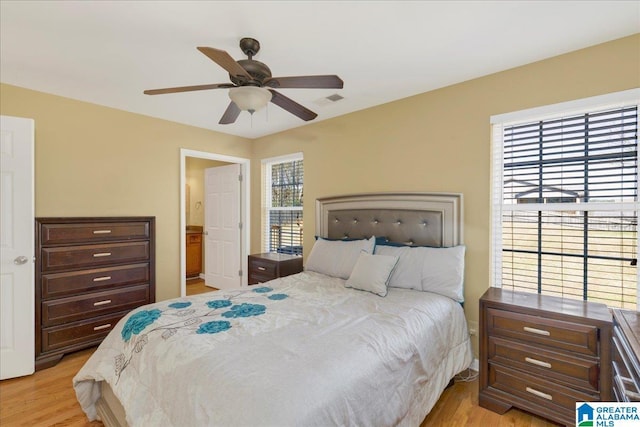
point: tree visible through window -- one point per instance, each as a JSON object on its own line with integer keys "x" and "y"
{"x": 283, "y": 214}
{"x": 565, "y": 206}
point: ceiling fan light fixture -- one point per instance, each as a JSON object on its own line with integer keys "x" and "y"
{"x": 250, "y": 98}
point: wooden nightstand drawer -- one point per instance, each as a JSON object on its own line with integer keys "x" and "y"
{"x": 559, "y": 334}
{"x": 581, "y": 373}
{"x": 56, "y": 285}
{"x": 76, "y": 308}
{"x": 269, "y": 266}
{"x": 263, "y": 268}
{"x": 55, "y": 234}
{"x": 537, "y": 390}
{"x": 67, "y": 257}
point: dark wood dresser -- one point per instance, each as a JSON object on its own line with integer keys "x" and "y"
{"x": 269, "y": 266}
{"x": 626, "y": 355}
{"x": 90, "y": 272}
{"x": 543, "y": 354}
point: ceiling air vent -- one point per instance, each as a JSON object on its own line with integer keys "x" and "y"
{"x": 329, "y": 99}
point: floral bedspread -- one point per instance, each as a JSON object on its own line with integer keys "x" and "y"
{"x": 300, "y": 350}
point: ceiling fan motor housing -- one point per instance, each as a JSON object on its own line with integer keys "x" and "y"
{"x": 256, "y": 69}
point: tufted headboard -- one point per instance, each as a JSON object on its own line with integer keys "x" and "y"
{"x": 428, "y": 219}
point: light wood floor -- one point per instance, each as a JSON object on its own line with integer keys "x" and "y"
{"x": 197, "y": 286}
{"x": 47, "y": 398}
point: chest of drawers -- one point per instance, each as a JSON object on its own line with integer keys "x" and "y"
{"x": 269, "y": 266}
{"x": 626, "y": 356}
{"x": 90, "y": 272}
{"x": 543, "y": 354}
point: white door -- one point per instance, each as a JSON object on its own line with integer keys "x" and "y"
{"x": 17, "y": 348}
{"x": 222, "y": 227}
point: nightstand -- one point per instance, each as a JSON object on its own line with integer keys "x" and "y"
{"x": 543, "y": 354}
{"x": 269, "y": 266}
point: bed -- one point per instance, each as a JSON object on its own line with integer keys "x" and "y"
{"x": 370, "y": 334}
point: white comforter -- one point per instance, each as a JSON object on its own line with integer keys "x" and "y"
{"x": 298, "y": 351}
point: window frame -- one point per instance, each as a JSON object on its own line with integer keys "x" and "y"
{"x": 267, "y": 186}
{"x": 550, "y": 112}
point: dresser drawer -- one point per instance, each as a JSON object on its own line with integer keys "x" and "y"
{"x": 578, "y": 372}
{"x": 537, "y": 390}
{"x": 575, "y": 337}
{"x": 55, "y": 285}
{"x": 194, "y": 238}
{"x": 55, "y": 234}
{"x": 71, "y": 309}
{"x": 77, "y": 333}
{"x": 61, "y": 258}
{"x": 626, "y": 382}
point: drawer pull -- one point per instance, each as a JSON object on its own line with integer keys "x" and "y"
{"x": 101, "y": 254}
{"x": 101, "y": 327}
{"x": 101, "y": 231}
{"x": 539, "y": 393}
{"x": 103, "y": 302}
{"x": 101, "y": 279}
{"x": 538, "y": 362}
{"x": 537, "y": 331}
{"x": 261, "y": 268}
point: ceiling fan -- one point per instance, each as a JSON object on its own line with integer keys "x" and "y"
{"x": 252, "y": 86}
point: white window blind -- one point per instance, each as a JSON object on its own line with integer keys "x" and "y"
{"x": 283, "y": 179}
{"x": 565, "y": 202}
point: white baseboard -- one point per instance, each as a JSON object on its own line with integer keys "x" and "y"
{"x": 475, "y": 365}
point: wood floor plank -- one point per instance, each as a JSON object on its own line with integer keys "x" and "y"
{"x": 47, "y": 398}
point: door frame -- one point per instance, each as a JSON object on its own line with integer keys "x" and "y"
{"x": 244, "y": 203}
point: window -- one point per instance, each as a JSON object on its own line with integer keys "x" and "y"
{"x": 565, "y": 200}
{"x": 283, "y": 180}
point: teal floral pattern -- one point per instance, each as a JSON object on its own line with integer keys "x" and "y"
{"x": 180, "y": 304}
{"x": 219, "y": 303}
{"x": 196, "y": 316}
{"x": 245, "y": 310}
{"x": 213, "y": 327}
{"x": 138, "y": 322}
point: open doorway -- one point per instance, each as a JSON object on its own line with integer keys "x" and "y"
{"x": 193, "y": 206}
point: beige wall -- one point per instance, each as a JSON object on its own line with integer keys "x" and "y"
{"x": 97, "y": 161}
{"x": 440, "y": 141}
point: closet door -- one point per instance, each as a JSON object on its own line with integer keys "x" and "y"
{"x": 17, "y": 288}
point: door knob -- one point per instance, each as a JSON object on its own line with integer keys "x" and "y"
{"x": 20, "y": 260}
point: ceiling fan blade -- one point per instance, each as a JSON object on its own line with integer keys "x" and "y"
{"x": 230, "y": 115}
{"x": 188, "y": 88}
{"x": 225, "y": 60}
{"x": 291, "y": 106}
{"x": 306, "y": 82}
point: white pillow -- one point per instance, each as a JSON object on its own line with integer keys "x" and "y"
{"x": 439, "y": 270}
{"x": 371, "y": 273}
{"x": 443, "y": 271}
{"x": 408, "y": 272}
{"x": 337, "y": 258}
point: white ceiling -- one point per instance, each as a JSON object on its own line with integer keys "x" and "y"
{"x": 108, "y": 52}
